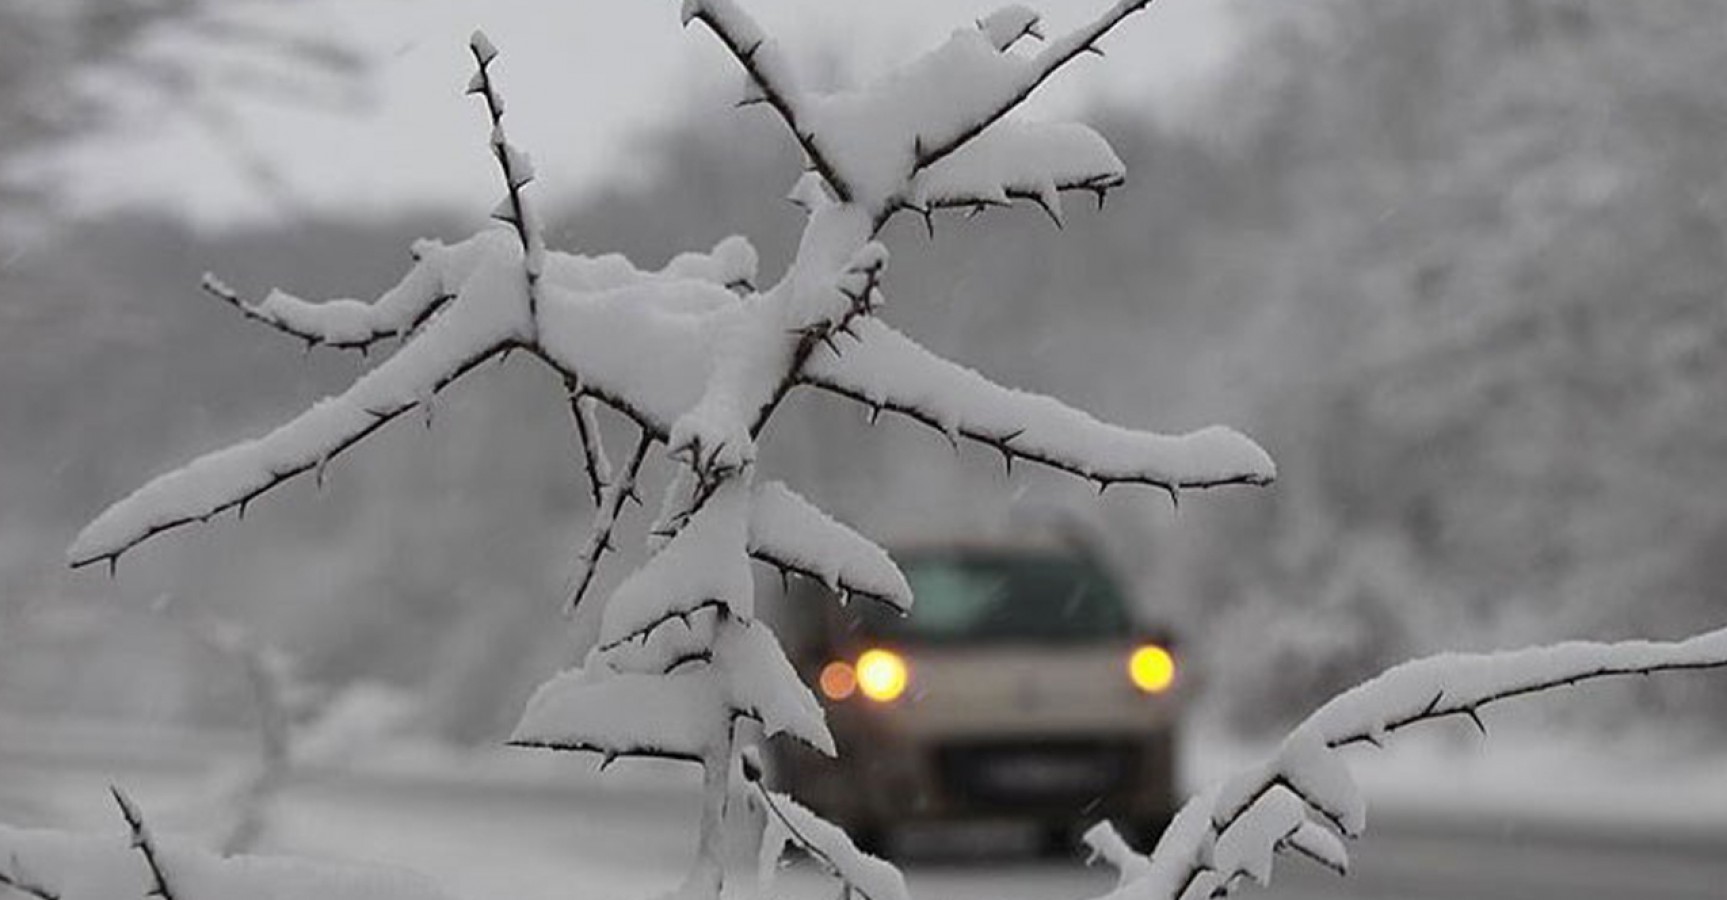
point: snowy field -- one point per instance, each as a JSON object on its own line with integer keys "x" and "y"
{"x": 1522, "y": 821}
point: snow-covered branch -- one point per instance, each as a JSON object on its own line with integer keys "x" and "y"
{"x": 595, "y": 462}
{"x": 345, "y": 324}
{"x": 771, "y": 79}
{"x": 1017, "y": 160}
{"x": 449, "y": 347}
{"x": 1303, "y": 798}
{"x": 517, "y": 169}
{"x": 145, "y": 844}
{"x": 792, "y": 535}
{"x": 938, "y": 142}
{"x": 886, "y": 370}
{"x": 788, "y": 823}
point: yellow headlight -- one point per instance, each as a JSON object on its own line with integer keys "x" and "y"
{"x": 882, "y": 675}
{"x": 838, "y": 680}
{"x": 1152, "y": 668}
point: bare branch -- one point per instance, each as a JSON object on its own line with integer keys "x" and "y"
{"x": 772, "y": 78}
{"x": 594, "y": 459}
{"x": 144, "y": 844}
{"x": 605, "y": 523}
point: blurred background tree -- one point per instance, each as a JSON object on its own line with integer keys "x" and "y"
{"x": 1459, "y": 266}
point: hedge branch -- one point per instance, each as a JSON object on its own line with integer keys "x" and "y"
{"x": 772, "y": 77}
{"x": 144, "y": 844}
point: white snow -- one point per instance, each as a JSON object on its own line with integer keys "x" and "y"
{"x": 706, "y": 563}
{"x": 1015, "y": 158}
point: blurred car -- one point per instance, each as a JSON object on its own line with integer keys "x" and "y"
{"x": 1019, "y": 688}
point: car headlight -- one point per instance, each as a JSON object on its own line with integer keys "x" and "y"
{"x": 1151, "y": 668}
{"x": 882, "y": 675}
{"x": 838, "y": 680}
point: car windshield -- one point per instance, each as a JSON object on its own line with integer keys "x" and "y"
{"x": 985, "y": 597}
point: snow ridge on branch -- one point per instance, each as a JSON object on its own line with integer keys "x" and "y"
{"x": 885, "y": 370}
{"x": 1303, "y": 800}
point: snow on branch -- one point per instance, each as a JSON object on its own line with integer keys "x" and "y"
{"x": 788, "y": 823}
{"x": 1302, "y": 799}
{"x": 345, "y": 323}
{"x": 771, "y": 78}
{"x": 683, "y": 714}
{"x": 792, "y": 535}
{"x": 887, "y": 370}
{"x": 145, "y": 844}
{"x": 1019, "y": 160}
{"x": 514, "y": 165}
{"x": 1012, "y": 86}
{"x": 703, "y": 565}
{"x": 595, "y": 461}
{"x": 449, "y": 347}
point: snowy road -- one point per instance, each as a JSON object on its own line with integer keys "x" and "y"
{"x": 539, "y": 841}
{"x": 627, "y": 838}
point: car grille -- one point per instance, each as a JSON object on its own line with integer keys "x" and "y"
{"x": 1035, "y": 773}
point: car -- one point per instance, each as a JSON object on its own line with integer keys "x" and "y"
{"x": 1019, "y": 688}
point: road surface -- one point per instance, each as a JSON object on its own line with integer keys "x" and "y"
{"x": 628, "y": 837}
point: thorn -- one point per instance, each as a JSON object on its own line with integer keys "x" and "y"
{"x": 874, "y": 412}
{"x": 113, "y": 565}
{"x": 1102, "y": 195}
{"x": 785, "y": 578}
{"x": 928, "y": 214}
{"x": 1103, "y": 485}
{"x": 318, "y": 472}
{"x": 1174, "y": 495}
{"x": 1006, "y": 460}
{"x": 242, "y": 507}
{"x": 1475, "y": 717}
{"x": 1094, "y": 50}
{"x": 1049, "y": 211}
{"x": 828, "y": 339}
{"x": 365, "y": 351}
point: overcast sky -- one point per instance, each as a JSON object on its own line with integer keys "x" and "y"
{"x": 582, "y": 78}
